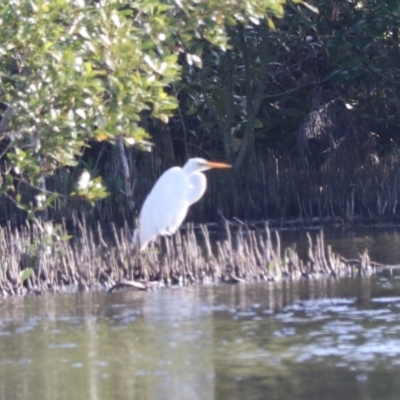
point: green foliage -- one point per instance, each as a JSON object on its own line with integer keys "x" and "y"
{"x": 91, "y": 189}
{"x": 76, "y": 71}
{"x": 25, "y": 274}
{"x": 365, "y": 56}
{"x": 73, "y": 71}
{"x": 353, "y": 57}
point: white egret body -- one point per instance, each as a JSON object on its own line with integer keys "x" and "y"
{"x": 175, "y": 191}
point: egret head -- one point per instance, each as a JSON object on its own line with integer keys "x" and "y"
{"x": 199, "y": 164}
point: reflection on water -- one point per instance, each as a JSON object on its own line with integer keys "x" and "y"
{"x": 307, "y": 340}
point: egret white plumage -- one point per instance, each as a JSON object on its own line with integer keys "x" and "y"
{"x": 167, "y": 204}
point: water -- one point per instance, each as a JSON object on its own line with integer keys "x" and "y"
{"x": 302, "y": 340}
{"x": 324, "y": 339}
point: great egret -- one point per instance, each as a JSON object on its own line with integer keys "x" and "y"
{"x": 166, "y": 206}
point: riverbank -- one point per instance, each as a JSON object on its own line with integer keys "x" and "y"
{"x": 47, "y": 258}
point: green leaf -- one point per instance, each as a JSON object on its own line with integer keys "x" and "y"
{"x": 25, "y": 274}
{"x": 66, "y": 237}
{"x": 258, "y": 124}
{"x": 50, "y": 200}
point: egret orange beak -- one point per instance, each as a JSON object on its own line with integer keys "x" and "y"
{"x": 213, "y": 164}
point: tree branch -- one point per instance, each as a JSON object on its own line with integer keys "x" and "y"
{"x": 126, "y": 172}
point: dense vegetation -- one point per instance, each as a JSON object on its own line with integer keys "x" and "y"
{"x": 302, "y": 98}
